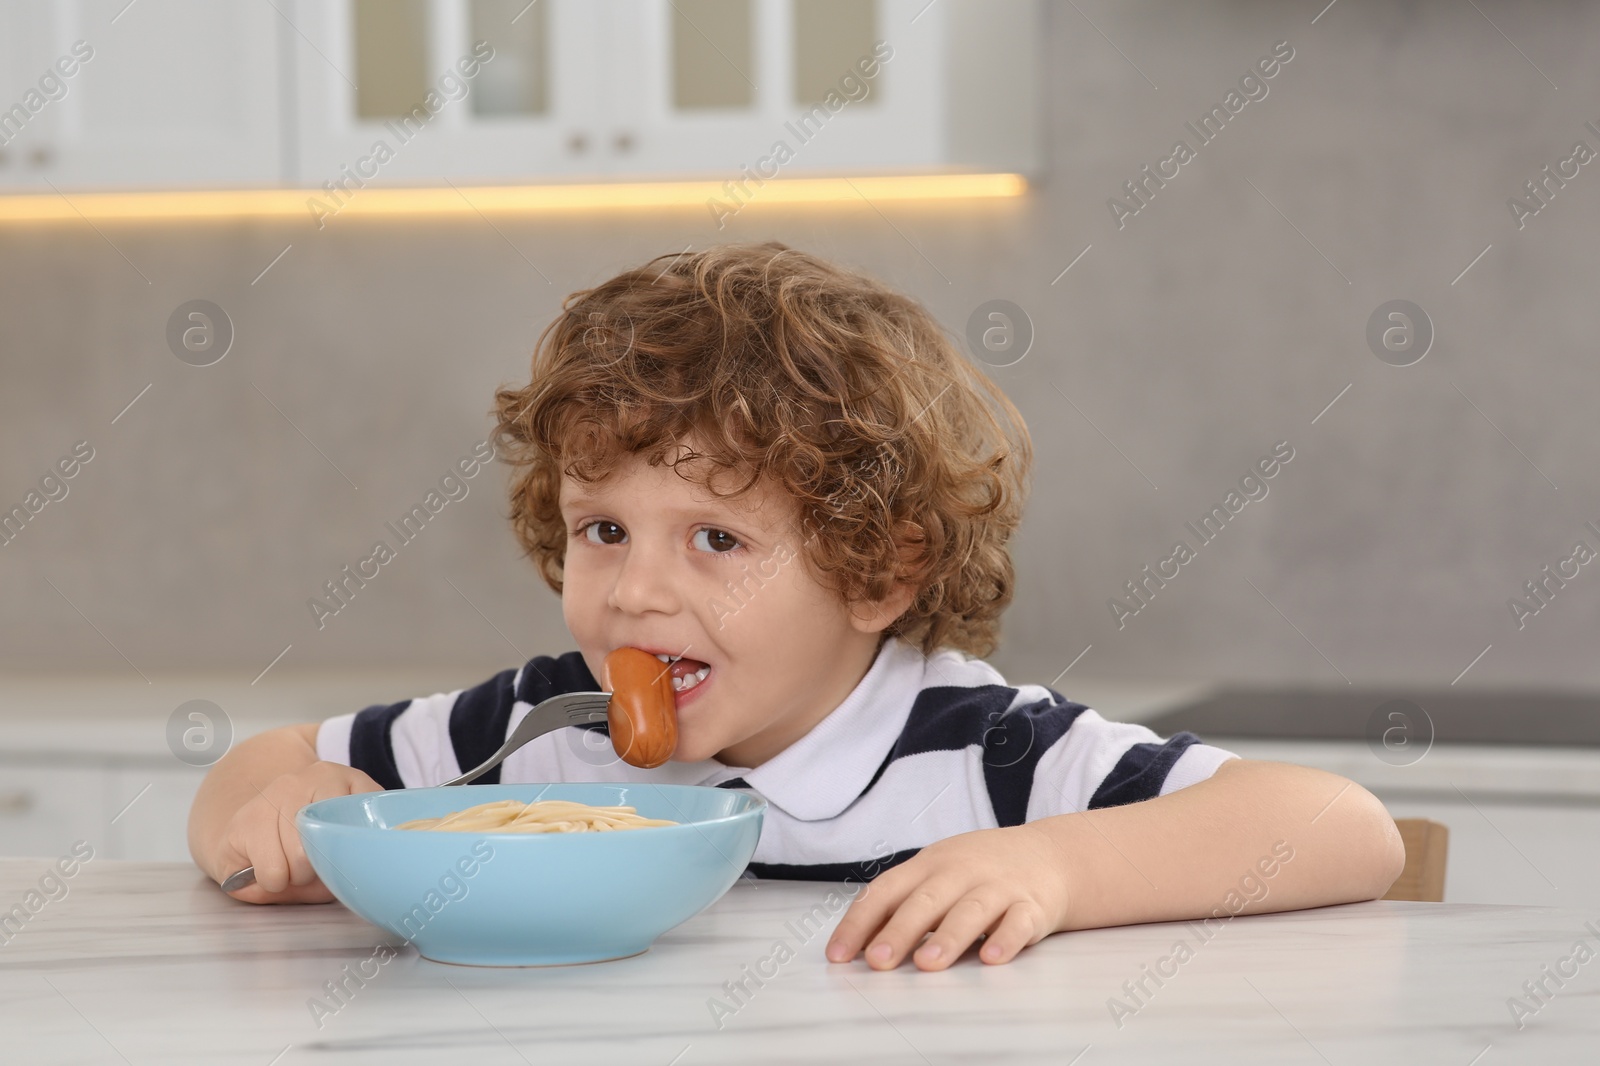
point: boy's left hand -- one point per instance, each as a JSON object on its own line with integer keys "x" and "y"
{"x": 1010, "y": 883}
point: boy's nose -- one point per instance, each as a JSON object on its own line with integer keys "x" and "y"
{"x": 644, "y": 583}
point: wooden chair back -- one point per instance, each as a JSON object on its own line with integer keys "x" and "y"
{"x": 1427, "y": 844}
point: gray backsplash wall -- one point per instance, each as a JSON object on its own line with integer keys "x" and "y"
{"x": 1220, "y": 320}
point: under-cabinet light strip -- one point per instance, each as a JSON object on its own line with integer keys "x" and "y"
{"x": 317, "y": 205}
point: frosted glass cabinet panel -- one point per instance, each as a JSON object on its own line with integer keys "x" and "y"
{"x": 518, "y": 82}
{"x": 391, "y": 56}
{"x": 470, "y": 91}
{"x": 780, "y": 87}
{"x": 712, "y": 54}
{"x": 156, "y": 94}
{"x": 828, "y": 36}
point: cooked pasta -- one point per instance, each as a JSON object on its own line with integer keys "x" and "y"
{"x": 540, "y": 816}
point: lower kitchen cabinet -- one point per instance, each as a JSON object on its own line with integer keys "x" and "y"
{"x": 124, "y": 809}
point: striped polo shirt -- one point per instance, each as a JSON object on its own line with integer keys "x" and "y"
{"x": 923, "y": 748}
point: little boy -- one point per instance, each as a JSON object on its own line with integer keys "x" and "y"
{"x": 781, "y": 478}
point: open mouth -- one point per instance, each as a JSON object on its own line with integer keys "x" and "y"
{"x": 686, "y": 672}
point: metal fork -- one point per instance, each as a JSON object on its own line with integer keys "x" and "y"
{"x": 557, "y": 712}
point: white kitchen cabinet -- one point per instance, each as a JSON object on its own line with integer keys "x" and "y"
{"x": 337, "y": 94}
{"x": 28, "y": 116}
{"x": 838, "y": 84}
{"x": 657, "y": 88}
{"x": 125, "y": 809}
{"x": 161, "y": 94}
{"x": 45, "y": 808}
{"x": 385, "y": 94}
{"x": 845, "y": 86}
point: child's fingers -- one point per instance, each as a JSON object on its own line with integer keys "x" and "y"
{"x": 963, "y": 922}
{"x": 923, "y": 908}
{"x": 260, "y": 824}
{"x": 263, "y": 835}
{"x": 362, "y": 783}
{"x": 316, "y": 892}
{"x": 342, "y": 782}
{"x": 263, "y": 845}
{"x": 868, "y": 913}
{"x": 282, "y": 876}
{"x": 300, "y": 871}
{"x": 1017, "y": 929}
{"x": 231, "y": 857}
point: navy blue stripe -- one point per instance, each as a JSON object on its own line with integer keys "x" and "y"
{"x": 481, "y": 717}
{"x": 544, "y": 677}
{"x": 950, "y": 718}
{"x": 864, "y": 870}
{"x": 734, "y": 782}
{"x": 479, "y": 721}
{"x": 1012, "y": 748}
{"x": 370, "y": 749}
{"x": 1141, "y": 772}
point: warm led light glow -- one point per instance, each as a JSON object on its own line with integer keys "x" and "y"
{"x": 287, "y": 203}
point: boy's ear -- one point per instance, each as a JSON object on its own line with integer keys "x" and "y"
{"x": 874, "y": 616}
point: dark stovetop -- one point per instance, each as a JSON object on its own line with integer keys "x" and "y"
{"x": 1513, "y": 716}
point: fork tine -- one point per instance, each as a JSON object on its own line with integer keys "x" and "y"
{"x": 569, "y": 708}
{"x": 585, "y": 704}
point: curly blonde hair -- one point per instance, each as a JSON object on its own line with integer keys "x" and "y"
{"x": 906, "y": 462}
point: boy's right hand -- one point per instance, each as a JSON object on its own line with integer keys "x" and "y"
{"x": 262, "y": 834}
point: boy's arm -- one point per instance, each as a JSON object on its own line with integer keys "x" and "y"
{"x": 243, "y": 813}
{"x": 240, "y": 775}
{"x": 1253, "y": 837}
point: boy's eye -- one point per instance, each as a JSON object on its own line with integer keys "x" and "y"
{"x": 604, "y": 533}
{"x": 715, "y": 540}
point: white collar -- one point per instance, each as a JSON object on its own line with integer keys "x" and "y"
{"x": 826, "y": 770}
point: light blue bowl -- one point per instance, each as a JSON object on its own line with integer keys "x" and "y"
{"x": 531, "y": 899}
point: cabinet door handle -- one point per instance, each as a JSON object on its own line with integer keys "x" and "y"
{"x": 577, "y": 143}
{"x": 17, "y": 801}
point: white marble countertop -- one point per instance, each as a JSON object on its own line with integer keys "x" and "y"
{"x": 149, "y": 963}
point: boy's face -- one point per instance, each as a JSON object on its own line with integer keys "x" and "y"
{"x": 655, "y": 562}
